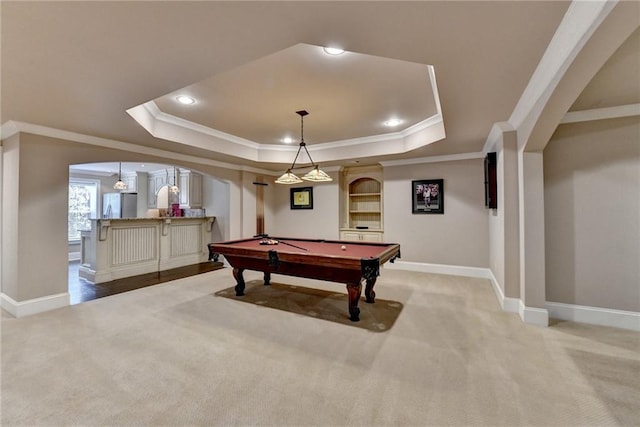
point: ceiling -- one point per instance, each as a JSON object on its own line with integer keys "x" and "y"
{"x": 80, "y": 66}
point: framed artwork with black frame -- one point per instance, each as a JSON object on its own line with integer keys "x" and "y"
{"x": 490, "y": 181}
{"x": 302, "y": 198}
{"x": 428, "y": 196}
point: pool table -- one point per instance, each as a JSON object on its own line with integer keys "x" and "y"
{"x": 331, "y": 260}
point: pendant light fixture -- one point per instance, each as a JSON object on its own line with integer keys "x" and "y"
{"x": 174, "y": 188}
{"x": 120, "y": 185}
{"x": 315, "y": 175}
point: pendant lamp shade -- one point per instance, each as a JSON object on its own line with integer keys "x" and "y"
{"x": 315, "y": 175}
{"x": 120, "y": 184}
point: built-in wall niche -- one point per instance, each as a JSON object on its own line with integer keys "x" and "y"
{"x": 362, "y": 217}
{"x": 364, "y": 203}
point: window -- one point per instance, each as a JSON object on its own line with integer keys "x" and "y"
{"x": 83, "y": 205}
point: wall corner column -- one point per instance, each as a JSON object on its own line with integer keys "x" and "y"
{"x": 532, "y": 251}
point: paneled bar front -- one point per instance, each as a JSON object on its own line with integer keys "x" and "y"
{"x": 118, "y": 248}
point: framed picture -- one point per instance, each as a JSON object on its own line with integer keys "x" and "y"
{"x": 302, "y": 198}
{"x": 428, "y": 196}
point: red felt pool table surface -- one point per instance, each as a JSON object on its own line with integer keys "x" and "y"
{"x": 317, "y": 247}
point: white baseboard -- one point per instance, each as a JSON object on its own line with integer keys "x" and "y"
{"x": 35, "y": 305}
{"x": 595, "y": 315}
{"x": 74, "y": 256}
{"x": 531, "y": 315}
{"x": 508, "y": 304}
{"x": 454, "y": 270}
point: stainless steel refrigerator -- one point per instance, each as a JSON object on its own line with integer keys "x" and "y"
{"x": 120, "y": 205}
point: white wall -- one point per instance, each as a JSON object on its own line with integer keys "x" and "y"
{"x": 592, "y": 214}
{"x": 460, "y": 237}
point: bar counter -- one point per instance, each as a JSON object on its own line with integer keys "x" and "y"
{"x": 118, "y": 248}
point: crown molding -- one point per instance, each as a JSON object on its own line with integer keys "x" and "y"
{"x": 433, "y": 159}
{"x": 172, "y": 128}
{"x": 11, "y": 128}
{"x": 615, "y": 112}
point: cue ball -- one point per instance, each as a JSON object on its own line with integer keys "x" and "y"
{"x": 343, "y": 247}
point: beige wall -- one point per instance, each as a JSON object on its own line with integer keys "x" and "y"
{"x": 34, "y": 207}
{"x": 460, "y": 236}
{"x": 592, "y": 214}
{"x": 321, "y": 222}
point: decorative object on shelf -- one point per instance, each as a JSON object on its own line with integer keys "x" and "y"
{"x": 174, "y": 188}
{"x": 120, "y": 185}
{"x": 315, "y": 175}
{"x": 428, "y": 196}
{"x": 302, "y": 198}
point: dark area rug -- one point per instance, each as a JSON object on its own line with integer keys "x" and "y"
{"x": 321, "y": 304}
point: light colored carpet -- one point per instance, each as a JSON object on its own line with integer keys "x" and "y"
{"x": 177, "y": 354}
{"x": 319, "y": 303}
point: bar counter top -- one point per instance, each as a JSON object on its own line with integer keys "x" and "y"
{"x": 152, "y": 218}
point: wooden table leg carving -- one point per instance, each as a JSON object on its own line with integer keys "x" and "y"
{"x": 354, "y": 291}
{"x": 237, "y": 274}
{"x": 369, "y": 293}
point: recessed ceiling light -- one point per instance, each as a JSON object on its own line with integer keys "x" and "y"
{"x": 392, "y": 122}
{"x": 333, "y": 50}
{"x": 287, "y": 140}
{"x": 186, "y": 100}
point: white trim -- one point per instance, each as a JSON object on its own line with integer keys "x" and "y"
{"x": 533, "y": 315}
{"x": 74, "y": 256}
{"x": 35, "y": 305}
{"x": 581, "y": 20}
{"x": 616, "y": 112}
{"x": 595, "y": 315}
{"x": 530, "y": 315}
{"x": 172, "y": 128}
{"x": 495, "y": 134}
{"x": 433, "y": 159}
{"x": 454, "y": 270}
{"x": 510, "y": 305}
{"x": 195, "y": 127}
{"x": 11, "y": 127}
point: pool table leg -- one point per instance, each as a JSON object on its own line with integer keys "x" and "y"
{"x": 354, "y": 291}
{"x": 237, "y": 274}
{"x": 267, "y": 278}
{"x": 369, "y": 293}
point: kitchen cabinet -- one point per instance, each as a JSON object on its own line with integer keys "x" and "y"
{"x": 131, "y": 180}
{"x": 190, "y": 184}
{"x": 155, "y": 181}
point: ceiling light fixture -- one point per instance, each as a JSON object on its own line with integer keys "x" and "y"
{"x": 333, "y": 50}
{"x": 120, "y": 185}
{"x": 186, "y": 100}
{"x": 392, "y": 122}
{"x": 315, "y": 175}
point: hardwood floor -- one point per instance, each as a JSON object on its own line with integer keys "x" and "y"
{"x": 80, "y": 290}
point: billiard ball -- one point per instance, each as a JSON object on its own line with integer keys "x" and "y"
{"x": 343, "y": 247}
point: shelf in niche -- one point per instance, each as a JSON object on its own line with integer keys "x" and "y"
{"x": 375, "y": 212}
{"x": 363, "y": 194}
